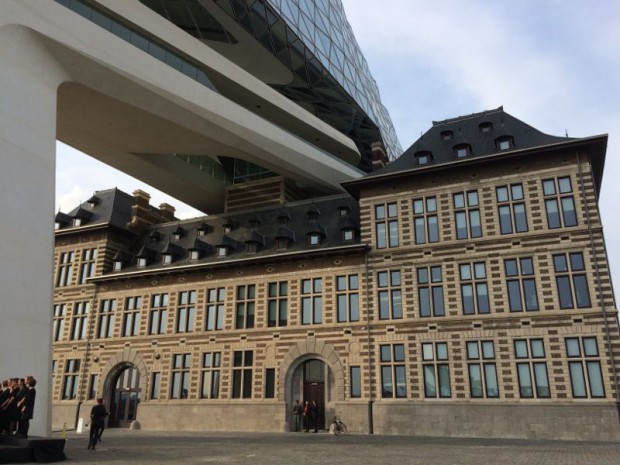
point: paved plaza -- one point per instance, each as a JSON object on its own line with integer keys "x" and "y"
{"x": 142, "y": 447}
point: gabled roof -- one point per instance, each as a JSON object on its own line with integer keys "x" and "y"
{"x": 112, "y": 206}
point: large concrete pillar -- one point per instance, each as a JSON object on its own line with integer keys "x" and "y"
{"x": 29, "y": 79}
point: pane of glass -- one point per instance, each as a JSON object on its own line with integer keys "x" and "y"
{"x": 306, "y": 309}
{"x": 564, "y": 185}
{"x": 438, "y": 300}
{"x": 430, "y": 389}
{"x": 564, "y": 292}
{"x": 444, "y": 380}
{"x": 384, "y": 305}
{"x": 283, "y": 288}
{"x": 487, "y": 350}
{"x": 386, "y": 353}
{"x": 422, "y": 275}
{"x": 386, "y": 382}
{"x": 461, "y": 225}
{"x": 431, "y": 204}
{"x": 475, "y": 380}
{"x": 576, "y": 262}
{"x": 395, "y": 278}
{"x": 420, "y": 233}
{"x": 490, "y": 377}
{"x": 582, "y": 294}
{"x": 590, "y": 348}
{"x": 553, "y": 215}
{"x": 442, "y": 351}
{"x": 418, "y": 206}
{"x": 505, "y": 222}
{"x": 472, "y": 350}
{"x": 525, "y": 380}
{"x": 474, "y": 223}
{"x": 318, "y": 310}
{"x": 527, "y": 266}
{"x": 397, "y": 307}
{"x": 425, "y": 303}
{"x": 353, "y": 282}
{"x": 542, "y": 383}
{"x": 568, "y": 210}
{"x": 382, "y": 278}
{"x": 520, "y": 217}
{"x": 531, "y": 299}
{"x": 596, "y": 379}
{"x": 381, "y": 237}
{"x": 514, "y": 296}
{"x": 459, "y": 200}
{"x": 537, "y": 347}
{"x": 393, "y": 225}
{"x": 356, "y": 382}
{"x": 467, "y": 294}
{"x": 577, "y": 379}
{"x": 433, "y": 229}
{"x": 560, "y": 264}
{"x": 318, "y": 285}
{"x": 511, "y": 267}
{"x": 521, "y": 349}
{"x": 517, "y": 191}
{"x": 427, "y": 351}
{"x": 342, "y": 307}
{"x": 572, "y": 347}
{"x": 399, "y": 353}
{"x": 306, "y": 286}
{"x": 354, "y": 312}
{"x": 483, "y": 298}
{"x": 380, "y": 212}
{"x": 502, "y": 194}
{"x": 401, "y": 385}
{"x": 472, "y": 198}
{"x": 436, "y": 274}
{"x": 465, "y": 272}
{"x": 549, "y": 187}
{"x": 392, "y": 212}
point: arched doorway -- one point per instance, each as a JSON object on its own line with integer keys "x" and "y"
{"x": 313, "y": 377}
{"x": 124, "y": 397}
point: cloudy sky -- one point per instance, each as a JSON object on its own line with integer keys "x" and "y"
{"x": 554, "y": 64}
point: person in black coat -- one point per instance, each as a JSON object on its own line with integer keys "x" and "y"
{"x": 97, "y": 417}
{"x": 314, "y": 415}
{"x": 26, "y": 407}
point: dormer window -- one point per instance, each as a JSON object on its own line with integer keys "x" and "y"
{"x": 313, "y": 212}
{"x": 77, "y": 221}
{"x": 202, "y": 229}
{"x": 446, "y": 135}
{"x": 94, "y": 200}
{"x": 222, "y": 251}
{"x": 344, "y": 210}
{"x": 283, "y": 218}
{"x": 485, "y": 127}
{"x": 423, "y": 158}
{"x": 141, "y": 262}
{"x": 504, "y": 143}
{"x": 177, "y": 234}
{"x": 154, "y": 236}
{"x": 194, "y": 254}
{"x": 462, "y": 150}
{"x": 252, "y": 247}
{"x": 57, "y": 226}
{"x": 117, "y": 265}
{"x": 166, "y": 259}
{"x": 348, "y": 235}
{"x": 282, "y": 243}
{"x": 314, "y": 238}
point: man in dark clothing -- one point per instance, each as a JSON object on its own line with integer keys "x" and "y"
{"x": 314, "y": 415}
{"x": 297, "y": 414}
{"x": 97, "y": 417}
{"x": 26, "y": 407}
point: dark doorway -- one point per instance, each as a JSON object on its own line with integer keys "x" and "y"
{"x": 125, "y": 397}
{"x": 314, "y": 387}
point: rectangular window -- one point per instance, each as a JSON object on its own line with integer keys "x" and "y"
{"x": 386, "y": 225}
{"x": 393, "y": 380}
{"x": 586, "y": 376}
{"x": 312, "y": 301}
{"x": 277, "y": 313}
{"x": 270, "y": 383}
{"x": 356, "y": 382}
{"x": 180, "y": 376}
{"x": 60, "y": 311}
{"x": 186, "y": 311}
{"x": 521, "y": 284}
{"x": 242, "y": 374}
{"x": 79, "y": 325}
{"x": 482, "y": 369}
{"x": 87, "y": 269}
{"x": 430, "y": 291}
{"x": 390, "y": 297}
{"x": 92, "y": 387}
{"x": 474, "y": 288}
{"x": 131, "y": 316}
{"x": 347, "y": 298}
{"x": 70, "y": 381}
{"x": 246, "y": 294}
{"x": 425, "y": 222}
{"x": 107, "y": 309}
{"x": 211, "y": 363}
{"x": 467, "y": 215}
{"x": 559, "y": 202}
{"x": 532, "y": 368}
{"x": 65, "y": 269}
{"x": 158, "y": 317}
{"x": 436, "y": 369}
{"x": 215, "y": 308}
{"x": 511, "y": 206}
{"x": 571, "y": 280}
{"x": 155, "y": 383}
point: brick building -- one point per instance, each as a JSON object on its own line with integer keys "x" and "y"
{"x": 461, "y": 290}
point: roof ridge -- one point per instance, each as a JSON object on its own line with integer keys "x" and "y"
{"x": 471, "y": 116}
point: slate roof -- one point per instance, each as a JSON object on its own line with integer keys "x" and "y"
{"x": 260, "y": 226}
{"x": 444, "y": 136}
{"x": 111, "y": 206}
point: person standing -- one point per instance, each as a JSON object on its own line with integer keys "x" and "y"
{"x": 314, "y": 416}
{"x": 297, "y": 415}
{"x": 97, "y": 417}
{"x": 306, "y": 413}
{"x": 26, "y": 407}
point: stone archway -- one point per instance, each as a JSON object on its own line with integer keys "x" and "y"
{"x": 294, "y": 360}
{"x": 117, "y": 363}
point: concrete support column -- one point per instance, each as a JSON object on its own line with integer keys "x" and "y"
{"x": 29, "y": 79}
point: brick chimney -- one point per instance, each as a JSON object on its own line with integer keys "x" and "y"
{"x": 144, "y": 214}
{"x": 167, "y": 211}
{"x": 379, "y": 157}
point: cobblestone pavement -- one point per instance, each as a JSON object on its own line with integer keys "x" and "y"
{"x": 171, "y": 448}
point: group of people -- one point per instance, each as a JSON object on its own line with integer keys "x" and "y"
{"x": 17, "y": 396}
{"x": 309, "y": 413}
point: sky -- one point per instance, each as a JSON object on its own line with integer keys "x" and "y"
{"x": 552, "y": 64}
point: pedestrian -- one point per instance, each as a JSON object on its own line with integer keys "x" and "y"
{"x": 297, "y": 415}
{"x": 97, "y": 417}
{"x": 26, "y": 407}
{"x": 306, "y": 413}
{"x": 314, "y": 416}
